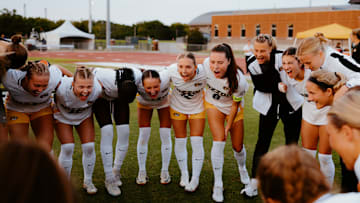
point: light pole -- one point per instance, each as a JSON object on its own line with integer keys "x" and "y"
{"x": 91, "y": 2}
{"x": 108, "y": 29}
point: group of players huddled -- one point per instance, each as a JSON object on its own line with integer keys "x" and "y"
{"x": 297, "y": 86}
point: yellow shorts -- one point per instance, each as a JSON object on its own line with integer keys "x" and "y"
{"x": 175, "y": 115}
{"x": 140, "y": 106}
{"x": 239, "y": 116}
{"x": 14, "y": 117}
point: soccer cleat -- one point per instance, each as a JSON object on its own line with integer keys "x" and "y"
{"x": 112, "y": 187}
{"x": 90, "y": 188}
{"x": 117, "y": 178}
{"x": 184, "y": 180}
{"x": 193, "y": 185}
{"x": 249, "y": 191}
{"x": 244, "y": 176}
{"x": 218, "y": 194}
{"x": 165, "y": 177}
{"x": 141, "y": 179}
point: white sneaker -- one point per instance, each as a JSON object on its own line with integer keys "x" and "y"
{"x": 90, "y": 188}
{"x": 141, "y": 179}
{"x": 244, "y": 176}
{"x": 165, "y": 177}
{"x": 112, "y": 187}
{"x": 218, "y": 194}
{"x": 193, "y": 185}
{"x": 249, "y": 191}
{"x": 184, "y": 180}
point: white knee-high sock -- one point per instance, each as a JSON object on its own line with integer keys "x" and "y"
{"x": 122, "y": 145}
{"x": 241, "y": 157}
{"x": 197, "y": 155}
{"x": 88, "y": 160}
{"x": 311, "y": 151}
{"x": 217, "y": 161}
{"x": 327, "y": 166}
{"x": 106, "y": 149}
{"x": 142, "y": 147}
{"x": 181, "y": 155}
{"x": 65, "y": 157}
{"x": 166, "y": 147}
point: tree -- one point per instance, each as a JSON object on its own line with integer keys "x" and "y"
{"x": 196, "y": 37}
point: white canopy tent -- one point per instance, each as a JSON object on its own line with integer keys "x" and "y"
{"x": 68, "y": 36}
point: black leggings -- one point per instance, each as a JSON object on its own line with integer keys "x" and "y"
{"x": 267, "y": 125}
{"x": 102, "y": 110}
{"x": 349, "y": 180}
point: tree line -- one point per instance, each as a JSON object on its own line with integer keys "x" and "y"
{"x": 13, "y": 23}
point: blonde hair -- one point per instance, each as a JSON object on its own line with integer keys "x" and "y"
{"x": 83, "y": 73}
{"x": 346, "y": 110}
{"x": 35, "y": 68}
{"x": 261, "y": 38}
{"x": 326, "y": 79}
{"x": 312, "y": 45}
{"x": 290, "y": 174}
{"x": 188, "y": 55}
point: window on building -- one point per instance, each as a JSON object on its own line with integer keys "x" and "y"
{"x": 229, "y": 31}
{"x": 291, "y": 31}
{"x": 243, "y": 31}
{"x": 257, "y": 30}
{"x": 273, "y": 30}
{"x": 216, "y": 31}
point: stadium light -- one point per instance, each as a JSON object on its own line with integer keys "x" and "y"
{"x": 108, "y": 29}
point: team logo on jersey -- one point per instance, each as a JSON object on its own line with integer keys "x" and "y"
{"x": 226, "y": 88}
{"x": 176, "y": 114}
{"x": 13, "y": 118}
{"x": 197, "y": 84}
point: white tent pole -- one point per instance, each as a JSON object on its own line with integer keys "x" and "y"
{"x": 294, "y": 44}
{"x": 349, "y": 41}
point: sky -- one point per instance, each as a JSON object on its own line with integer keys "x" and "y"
{"x": 130, "y": 12}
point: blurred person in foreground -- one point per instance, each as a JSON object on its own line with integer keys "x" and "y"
{"x": 289, "y": 174}
{"x": 28, "y": 173}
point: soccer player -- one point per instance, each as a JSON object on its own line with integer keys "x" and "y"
{"x": 119, "y": 90}
{"x": 29, "y": 101}
{"x": 224, "y": 102}
{"x": 271, "y": 101}
{"x": 343, "y": 128}
{"x": 12, "y": 55}
{"x": 73, "y": 101}
{"x": 154, "y": 94}
{"x": 187, "y": 105}
{"x": 314, "y": 52}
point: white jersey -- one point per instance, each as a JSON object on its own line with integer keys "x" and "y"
{"x": 187, "y": 97}
{"x": 71, "y": 110}
{"x": 107, "y": 76}
{"x": 337, "y": 62}
{"x": 162, "y": 99}
{"x": 20, "y": 99}
{"x": 300, "y": 86}
{"x": 357, "y": 168}
{"x": 217, "y": 93}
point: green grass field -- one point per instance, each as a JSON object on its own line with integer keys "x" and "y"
{"x": 154, "y": 191}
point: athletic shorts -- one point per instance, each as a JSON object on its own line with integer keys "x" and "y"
{"x": 313, "y": 115}
{"x": 239, "y": 116}
{"x": 14, "y": 117}
{"x": 160, "y": 106}
{"x": 175, "y": 115}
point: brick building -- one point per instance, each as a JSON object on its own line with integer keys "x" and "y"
{"x": 236, "y": 27}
